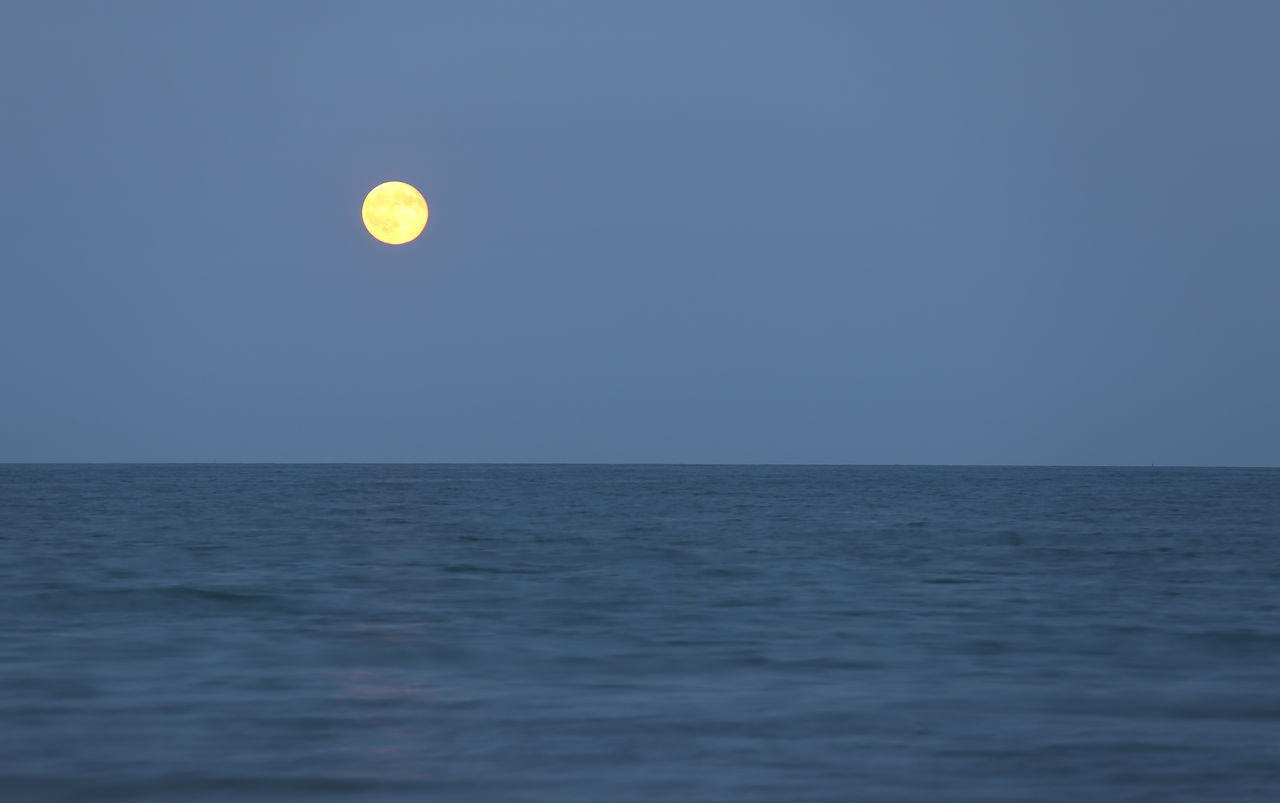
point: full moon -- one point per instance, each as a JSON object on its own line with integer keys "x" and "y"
{"x": 394, "y": 212}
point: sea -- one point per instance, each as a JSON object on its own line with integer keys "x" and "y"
{"x": 600, "y": 633}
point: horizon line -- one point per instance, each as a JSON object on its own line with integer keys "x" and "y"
{"x": 620, "y": 463}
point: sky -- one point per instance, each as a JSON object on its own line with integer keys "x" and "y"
{"x": 711, "y": 232}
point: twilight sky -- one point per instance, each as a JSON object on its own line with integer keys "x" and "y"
{"x": 838, "y": 232}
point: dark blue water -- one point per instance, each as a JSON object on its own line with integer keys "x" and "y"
{"x": 540, "y": 633}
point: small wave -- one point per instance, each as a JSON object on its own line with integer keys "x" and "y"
{"x": 468, "y": 568}
{"x": 186, "y": 599}
{"x": 221, "y": 594}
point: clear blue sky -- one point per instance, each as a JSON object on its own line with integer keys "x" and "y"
{"x": 891, "y": 232}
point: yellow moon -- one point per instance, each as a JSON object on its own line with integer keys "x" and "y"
{"x": 394, "y": 212}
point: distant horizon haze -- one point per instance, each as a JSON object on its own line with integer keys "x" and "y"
{"x": 533, "y": 462}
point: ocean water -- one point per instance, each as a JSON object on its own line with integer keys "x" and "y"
{"x": 638, "y": 633}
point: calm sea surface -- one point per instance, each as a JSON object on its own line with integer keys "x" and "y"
{"x": 614, "y": 633}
